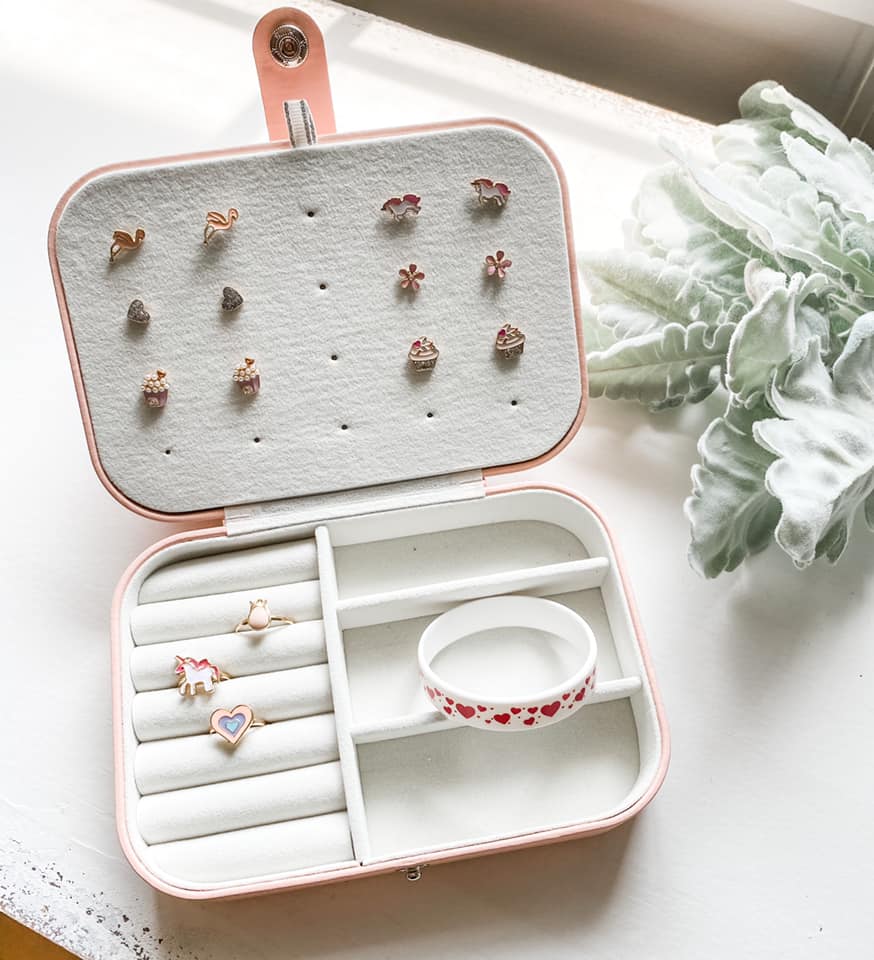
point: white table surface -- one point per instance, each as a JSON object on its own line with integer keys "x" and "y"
{"x": 760, "y": 843}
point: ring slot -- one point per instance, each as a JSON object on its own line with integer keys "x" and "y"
{"x": 251, "y": 569}
{"x": 208, "y": 615}
{"x": 237, "y": 804}
{"x": 181, "y": 762}
{"x": 282, "y": 695}
{"x": 257, "y": 851}
{"x": 294, "y": 645}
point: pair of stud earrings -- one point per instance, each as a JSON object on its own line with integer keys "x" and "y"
{"x": 155, "y": 387}
{"x": 488, "y": 191}
{"x": 496, "y": 266}
{"x": 231, "y": 300}
{"x": 122, "y": 241}
{"x": 423, "y": 354}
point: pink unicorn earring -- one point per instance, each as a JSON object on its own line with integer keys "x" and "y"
{"x": 491, "y": 191}
{"x": 399, "y": 208}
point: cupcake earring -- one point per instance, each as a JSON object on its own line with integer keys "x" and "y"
{"x": 155, "y": 389}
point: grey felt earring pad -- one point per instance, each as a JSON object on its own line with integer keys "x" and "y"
{"x": 324, "y": 317}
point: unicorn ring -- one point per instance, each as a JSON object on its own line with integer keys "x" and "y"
{"x": 259, "y": 617}
{"x": 232, "y": 725}
{"x": 197, "y": 676}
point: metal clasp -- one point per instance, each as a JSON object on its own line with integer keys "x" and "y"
{"x": 289, "y": 45}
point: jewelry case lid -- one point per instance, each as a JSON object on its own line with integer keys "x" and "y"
{"x": 324, "y": 316}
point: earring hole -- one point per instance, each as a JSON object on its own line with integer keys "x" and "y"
{"x": 514, "y": 403}
{"x": 256, "y": 440}
{"x": 323, "y": 286}
{"x": 311, "y": 213}
{"x": 334, "y": 356}
{"x": 429, "y": 414}
{"x": 167, "y": 452}
{"x": 344, "y": 426}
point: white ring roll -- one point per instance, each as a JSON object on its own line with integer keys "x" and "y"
{"x": 280, "y": 648}
{"x": 190, "y": 761}
{"x": 266, "y": 566}
{"x": 220, "y": 613}
{"x": 257, "y": 851}
{"x": 282, "y": 695}
{"x": 235, "y": 804}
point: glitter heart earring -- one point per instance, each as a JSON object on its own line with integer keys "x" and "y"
{"x": 137, "y": 312}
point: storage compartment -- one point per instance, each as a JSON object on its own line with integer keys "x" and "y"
{"x": 355, "y": 769}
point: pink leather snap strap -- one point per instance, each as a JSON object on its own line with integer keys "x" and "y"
{"x": 290, "y": 58}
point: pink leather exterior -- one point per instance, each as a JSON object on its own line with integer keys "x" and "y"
{"x": 310, "y": 82}
{"x": 347, "y": 873}
{"x": 307, "y": 82}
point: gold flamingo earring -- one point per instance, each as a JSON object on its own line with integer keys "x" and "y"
{"x": 122, "y": 240}
{"x": 216, "y": 221}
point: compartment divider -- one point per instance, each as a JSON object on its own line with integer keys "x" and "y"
{"x": 430, "y": 721}
{"x": 429, "y": 599}
{"x": 340, "y": 693}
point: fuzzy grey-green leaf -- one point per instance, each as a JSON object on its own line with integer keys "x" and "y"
{"x": 823, "y": 444}
{"x": 845, "y": 172}
{"x": 664, "y": 368}
{"x": 636, "y": 294}
{"x": 731, "y": 513}
{"x": 776, "y": 329}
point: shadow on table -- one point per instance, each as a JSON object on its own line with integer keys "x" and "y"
{"x": 551, "y": 893}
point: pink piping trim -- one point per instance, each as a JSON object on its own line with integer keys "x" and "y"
{"x": 346, "y": 873}
{"x": 217, "y": 514}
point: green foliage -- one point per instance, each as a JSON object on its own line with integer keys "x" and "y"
{"x": 751, "y": 269}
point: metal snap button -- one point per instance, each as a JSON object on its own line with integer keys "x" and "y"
{"x": 289, "y": 45}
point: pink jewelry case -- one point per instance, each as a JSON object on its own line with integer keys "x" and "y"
{"x": 353, "y": 494}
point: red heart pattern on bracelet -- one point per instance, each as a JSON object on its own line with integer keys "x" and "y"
{"x": 521, "y": 716}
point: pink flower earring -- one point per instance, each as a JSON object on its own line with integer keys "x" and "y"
{"x": 411, "y": 277}
{"x": 498, "y": 265}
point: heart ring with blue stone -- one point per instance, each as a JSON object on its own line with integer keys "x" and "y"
{"x": 231, "y": 725}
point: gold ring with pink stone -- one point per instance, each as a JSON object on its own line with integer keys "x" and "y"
{"x": 259, "y": 617}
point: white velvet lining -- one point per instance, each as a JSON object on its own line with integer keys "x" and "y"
{"x": 318, "y": 287}
{"x": 298, "y": 645}
{"x": 191, "y": 761}
{"x": 205, "y": 615}
{"x": 266, "y": 566}
{"x": 235, "y": 804}
{"x": 282, "y": 695}
{"x": 404, "y": 794}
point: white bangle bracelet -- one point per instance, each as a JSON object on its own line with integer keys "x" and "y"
{"x": 499, "y": 712}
